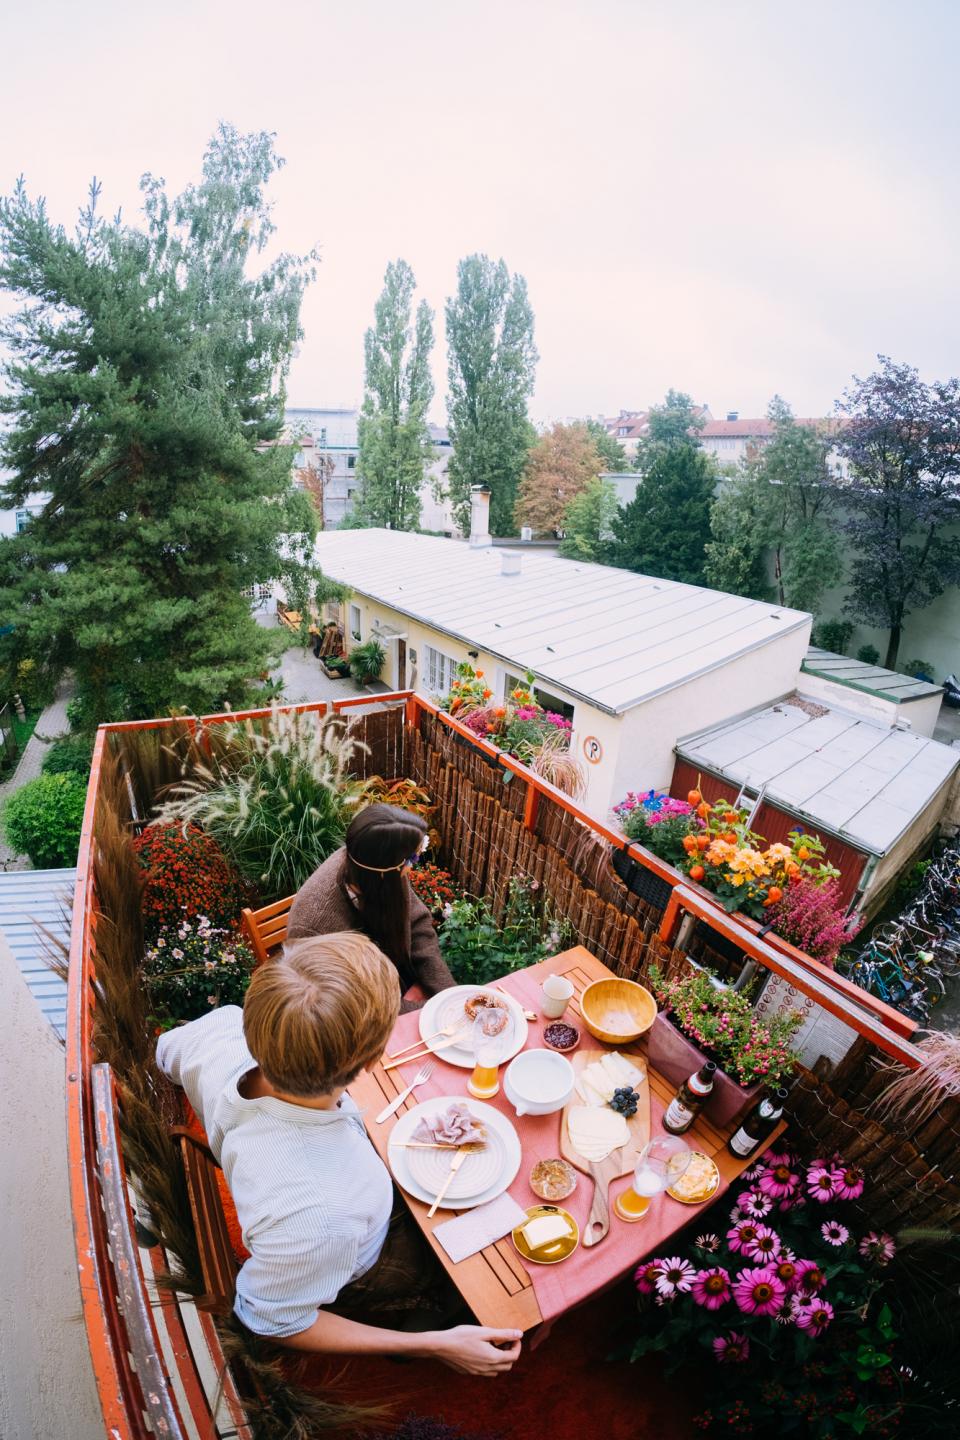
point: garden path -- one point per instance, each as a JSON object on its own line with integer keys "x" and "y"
{"x": 52, "y": 722}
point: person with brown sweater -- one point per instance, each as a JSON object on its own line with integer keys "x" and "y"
{"x": 364, "y": 886}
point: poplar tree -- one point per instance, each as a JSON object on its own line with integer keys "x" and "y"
{"x": 144, "y": 395}
{"x": 491, "y": 359}
{"x": 394, "y": 440}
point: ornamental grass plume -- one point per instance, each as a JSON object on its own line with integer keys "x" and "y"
{"x": 915, "y": 1095}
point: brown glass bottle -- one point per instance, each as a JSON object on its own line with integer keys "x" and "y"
{"x": 689, "y": 1100}
{"x": 757, "y": 1124}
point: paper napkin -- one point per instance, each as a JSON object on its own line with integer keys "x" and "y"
{"x": 473, "y": 1230}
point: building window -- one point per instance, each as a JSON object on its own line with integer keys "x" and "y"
{"x": 354, "y": 622}
{"x": 440, "y": 670}
{"x": 542, "y": 697}
{"x": 23, "y": 520}
{"x": 323, "y": 437}
{"x": 351, "y": 462}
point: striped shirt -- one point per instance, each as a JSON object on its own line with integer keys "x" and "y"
{"x": 312, "y": 1196}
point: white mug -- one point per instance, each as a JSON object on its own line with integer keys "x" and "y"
{"x": 557, "y": 994}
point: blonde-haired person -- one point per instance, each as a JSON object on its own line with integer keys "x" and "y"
{"x": 313, "y": 1198}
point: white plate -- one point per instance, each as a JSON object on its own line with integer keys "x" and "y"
{"x": 492, "y": 1119}
{"x": 480, "y": 1170}
{"x": 446, "y": 1007}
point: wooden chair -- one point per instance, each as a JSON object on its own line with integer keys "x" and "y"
{"x": 218, "y": 1263}
{"x": 266, "y": 929}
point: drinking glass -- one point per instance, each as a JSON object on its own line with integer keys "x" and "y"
{"x": 660, "y": 1164}
{"x": 489, "y": 1049}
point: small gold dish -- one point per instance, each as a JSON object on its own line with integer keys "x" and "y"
{"x": 699, "y": 1181}
{"x": 556, "y": 1250}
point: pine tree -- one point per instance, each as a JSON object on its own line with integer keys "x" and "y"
{"x": 560, "y": 465}
{"x": 394, "y": 440}
{"x": 665, "y": 528}
{"x": 491, "y": 359}
{"x": 145, "y": 392}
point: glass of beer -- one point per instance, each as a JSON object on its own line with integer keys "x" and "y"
{"x": 659, "y": 1165}
{"x": 489, "y": 1036}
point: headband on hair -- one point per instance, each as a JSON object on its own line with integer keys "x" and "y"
{"x": 386, "y": 869}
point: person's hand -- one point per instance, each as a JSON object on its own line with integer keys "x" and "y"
{"x": 474, "y": 1349}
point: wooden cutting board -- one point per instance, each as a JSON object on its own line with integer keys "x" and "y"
{"x": 619, "y": 1162}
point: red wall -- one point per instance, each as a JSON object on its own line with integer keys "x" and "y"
{"x": 773, "y": 824}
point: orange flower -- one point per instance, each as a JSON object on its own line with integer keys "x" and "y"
{"x": 487, "y": 694}
{"x": 478, "y": 674}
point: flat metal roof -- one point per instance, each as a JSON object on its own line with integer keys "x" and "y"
{"x": 854, "y": 777}
{"x": 610, "y": 637}
{"x": 29, "y": 898}
{"x": 874, "y": 679}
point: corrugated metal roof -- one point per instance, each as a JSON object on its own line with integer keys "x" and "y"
{"x": 608, "y": 636}
{"x": 885, "y": 684}
{"x": 857, "y": 778}
{"x": 26, "y": 898}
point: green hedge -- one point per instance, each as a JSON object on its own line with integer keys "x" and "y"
{"x": 70, "y": 755}
{"x": 43, "y": 819}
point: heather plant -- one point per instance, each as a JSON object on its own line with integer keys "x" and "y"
{"x": 814, "y": 919}
{"x": 277, "y": 800}
{"x": 785, "y": 1301}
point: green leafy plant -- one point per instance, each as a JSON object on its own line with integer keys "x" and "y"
{"x": 406, "y": 795}
{"x": 193, "y": 966}
{"x": 366, "y": 661}
{"x": 34, "y": 684}
{"x": 43, "y": 819}
{"x": 725, "y": 1026}
{"x": 832, "y": 635}
{"x": 68, "y": 755}
{"x": 869, "y": 655}
{"x": 478, "y": 950}
{"x": 277, "y": 800}
{"x": 919, "y": 669}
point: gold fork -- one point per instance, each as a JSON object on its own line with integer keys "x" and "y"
{"x": 437, "y": 1035}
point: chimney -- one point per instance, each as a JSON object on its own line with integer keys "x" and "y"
{"x": 510, "y": 562}
{"x": 479, "y": 517}
{"x": 526, "y": 534}
{"x": 733, "y": 414}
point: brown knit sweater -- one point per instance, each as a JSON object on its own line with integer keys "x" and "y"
{"x": 323, "y": 906}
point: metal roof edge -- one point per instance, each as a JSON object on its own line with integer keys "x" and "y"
{"x": 860, "y": 844}
{"x": 733, "y": 720}
{"x": 932, "y": 690}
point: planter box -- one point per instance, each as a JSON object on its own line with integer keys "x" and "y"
{"x": 676, "y": 1058}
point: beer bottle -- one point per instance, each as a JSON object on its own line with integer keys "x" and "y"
{"x": 757, "y": 1124}
{"x": 689, "y": 1100}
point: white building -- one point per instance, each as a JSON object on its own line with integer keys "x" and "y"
{"x": 636, "y": 662}
{"x": 328, "y": 443}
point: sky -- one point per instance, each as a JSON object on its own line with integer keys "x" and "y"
{"x": 733, "y": 199}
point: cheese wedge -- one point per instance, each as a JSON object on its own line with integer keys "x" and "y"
{"x": 595, "y": 1133}
{"x": 544, "y": 1229}
{"x": 620, "y": 1070}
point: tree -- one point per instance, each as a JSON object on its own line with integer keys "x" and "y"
{"x": 675, "y": 422}
{"x": 588, "y": 522}
{"x": 394, "y": 441}
{"x": 559, "y": 466}
{"x": 313, "y": 479}
{"x": 145, "y": 395}
{"x": 901, "y": 438}
{"x": 666, "y": 526}
{"x": 612, "y": 453}
{"x": 491, "y": 359}
{"x": 780, "y": 505}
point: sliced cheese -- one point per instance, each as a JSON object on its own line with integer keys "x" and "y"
{"x": 590, "y": 1093}
{"x": 598, "y": 1078}
{"x": 595, "y": 1134}
{"x": 544, "y": 1229}
{"x": 621, "y": 1071}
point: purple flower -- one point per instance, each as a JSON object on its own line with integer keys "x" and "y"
{"x": 754, "y": 1204}
{"x": 848, "y": 1182}
{"x": 732, "y": 1348}
{"x": 742, "y": 1233}
{"x": 834, "y": 1233}
{"x": 812, "y": 1315}
{"x": 676, "y": 1276}
{"x": 707, "y": 1242}
{"x": 822, "y": 1182}
{"x": 878, "y": 1246}
{"x": 810, "y": 1278}
{"x": 765, "y": 1245}
{"x": 781, "y": 1181}
{"x": 711, "y": 1288}
{"x": 758, "y": 1291}
{"x": 646, "y": 1275}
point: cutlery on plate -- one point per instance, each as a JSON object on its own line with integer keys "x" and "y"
{"x": 422, "y": 1075}
{"x": 425, "y": 1040}
{"x": 430, "y": 1050}
{"x": 455, "y": 1164}
{"x": 434, "y": 1145}
{"x": 527, "y": 1014}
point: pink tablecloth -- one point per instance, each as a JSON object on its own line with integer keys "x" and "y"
{"x": 559, "y": 1287}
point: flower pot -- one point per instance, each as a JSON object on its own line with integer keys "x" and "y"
{"x": 675, "y": 1058}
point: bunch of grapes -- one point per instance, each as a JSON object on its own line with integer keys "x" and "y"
{"x": 625, "y": 1101}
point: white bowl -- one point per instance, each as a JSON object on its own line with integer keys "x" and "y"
{"x": 538, "y": 1082}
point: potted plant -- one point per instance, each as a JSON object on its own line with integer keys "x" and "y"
{"x": 336, "y": 667}
{"x": 366, "y": 662}
{"x": 697, "y": 1022}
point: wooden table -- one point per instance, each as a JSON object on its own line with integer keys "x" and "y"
{"x": 495, "y": 1283}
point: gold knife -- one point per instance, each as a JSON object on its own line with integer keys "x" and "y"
{"x": 455, "y": 1164}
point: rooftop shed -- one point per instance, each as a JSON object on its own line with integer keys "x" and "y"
{"x": 872, "y": 690}
{"x": 873, "y": 793}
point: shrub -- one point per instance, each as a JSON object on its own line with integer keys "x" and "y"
{"x": 366, "y": 661}
{"x": 478, "y": 950}
{"x": 277, "y": 801}
{"x": 833, "y": 635}
{"x": 186, "y": 875}
{"x": 869, "y": 655}
{"x": 919, "y": 669}
{"x": 34, "y": 684}
{"x": 813, "y": 917}
{"x": 43, "y": 819}
{"x": 68, "y": 755}
{"x": 193, "y": 966}
{"x": 406, "y": 795}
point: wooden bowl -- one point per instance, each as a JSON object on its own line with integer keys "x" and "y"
{"x": 606, "y": 1005}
